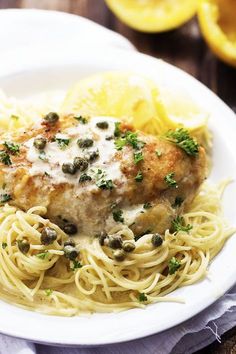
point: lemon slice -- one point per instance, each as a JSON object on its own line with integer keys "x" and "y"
{"x": 217, "y": 20}
{"x": 153, "y": 15}
{"x": 181, "y": 110}
{"x": 137, "y": 100}
{"x": 115, "y": 94}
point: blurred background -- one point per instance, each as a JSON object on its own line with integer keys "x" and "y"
{"x": 183, "y": 47}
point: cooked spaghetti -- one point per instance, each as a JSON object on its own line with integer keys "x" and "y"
{"x": 44, "y": 281}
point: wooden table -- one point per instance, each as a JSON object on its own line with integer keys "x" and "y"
{"x": 184, "y": 48}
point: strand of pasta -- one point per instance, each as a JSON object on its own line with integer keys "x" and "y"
{"x": 49, "y": 285}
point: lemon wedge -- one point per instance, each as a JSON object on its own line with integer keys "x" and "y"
{"x": 153, "y": 15}
{"x": 217, "y": 20}
{"x": 181, "y": 110}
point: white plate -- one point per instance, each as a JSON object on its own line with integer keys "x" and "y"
{"x": 33, "y": 73}
{"x": 21, "y": 28}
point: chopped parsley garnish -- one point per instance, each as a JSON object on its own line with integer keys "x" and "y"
{"x": 12, "y": 148}
{"x": 138, "y": 156}
{"x": 178, "y": 225}
{"x": 4, "y": 245}
{"x": 158, "y": 153}
{"x": 4, "y": 198}
{"x": 62, "y": 143}
{"x": 170, "y": 180}
{"x": 105, "y": 184}
{"x": 42, "y": 156}
{"x": 120, "y": 143}
{"x": 178, "y": 202}
{"x": 117, "y": 131}
{"x": 173, "y": 265}
{"x": 132, "y": 139}
{"x": 118, "y": 215}
{"x": 42, "y": 255}
{"x": 147, "y": 205}
{"x": 81, "y": 119}
{"x": 142, "y": 297}
{"x": 181, "y": 138}
{"x": 100, "y": 177}
{"x": 5, "y": 158}
{"x": 84, "y": 177}
{"x": 48, "y": 292}
{"x": 129, "y": 138}
{"x": 100, "y": 172}
{"x": 46, "y": 174}
{"x": 76, "y": 265}
{"x": 139, "y": 177}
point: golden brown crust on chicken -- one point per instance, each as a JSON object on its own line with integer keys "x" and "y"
{"x": 89, "y": 205}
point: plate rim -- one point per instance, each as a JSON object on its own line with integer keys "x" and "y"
{"x": 104, "y": 34}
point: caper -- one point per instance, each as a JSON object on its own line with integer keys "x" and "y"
{"x": 70, "y": 252}
{"x": 128, "y": 246}
{"x": 119, "y": 255}
{"x": 102, "y": 237}
{"x": 69, "y": 168}
{"x": 70, "y": 229}
{"x": 102, "y": 125}
{"x": 115, "y": 241}
{"x": 84, "y": 177}
{"x": 85, "y": 143}
{"x": 51, "y": 118}
{"x": 48, "y": 236}
{"x": 69, "y": 242}
{"x": 80, "y": 163}
{"x": 40, "y": 143}
{"x": 23, "y": 246}
{"x": 109, "y": 137}
{"x": 93, "y": 155}
{"x": 157, "y": 240}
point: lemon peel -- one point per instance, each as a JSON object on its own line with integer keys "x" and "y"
{"x": 217, "y": 19}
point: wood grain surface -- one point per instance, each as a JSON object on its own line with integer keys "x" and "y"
{"x": 183, "y": 47}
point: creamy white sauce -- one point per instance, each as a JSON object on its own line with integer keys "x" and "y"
{"x": 55, "y": 157}
{"x": 130, "y": 213}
